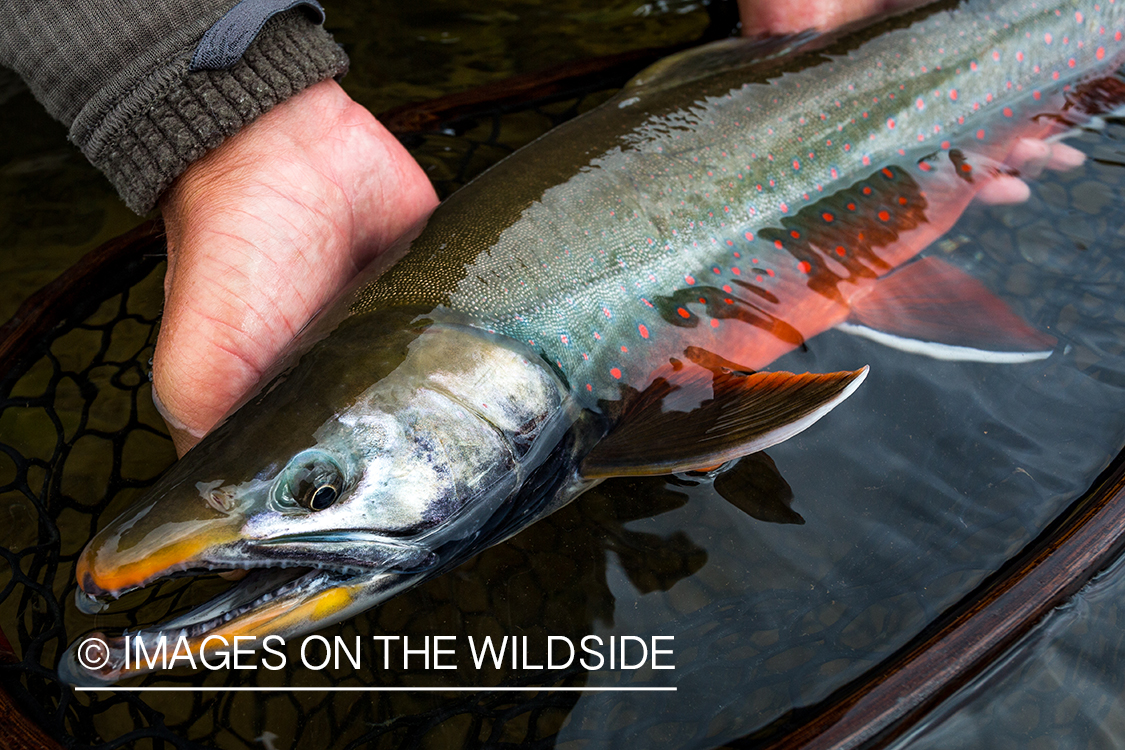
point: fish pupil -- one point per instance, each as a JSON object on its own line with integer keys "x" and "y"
{"x": 324, "y": 496}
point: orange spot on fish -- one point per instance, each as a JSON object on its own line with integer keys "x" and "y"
{"x": 804, "y": 266}
{"x": 794, "y": 234}
{"x": 690, "y": 280}
{"x": 644, "y": 330}
{"x": 884, "y": 216}
{"x": 777, "y": 244}
{"x": 616, "y": 373}
{"x": 827, "y": 217}
{"x": 851, "y": 206}
{"x": 625, "y": 349}
{"x": 888, "y": 173}
{"x": 841, "y": 251}
{"x": 866, "y": 190}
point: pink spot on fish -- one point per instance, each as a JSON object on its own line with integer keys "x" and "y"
{"x": 689, "y": 279}
{"x": 644, "y": 330}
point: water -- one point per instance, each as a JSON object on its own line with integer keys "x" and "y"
{"x": 925, "y": 482}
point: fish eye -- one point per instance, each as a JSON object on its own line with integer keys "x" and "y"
{"x": 312, "y": 480}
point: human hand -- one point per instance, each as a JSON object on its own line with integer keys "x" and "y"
{"x": 791, "y": 16}
{"x": 262, "y": 232}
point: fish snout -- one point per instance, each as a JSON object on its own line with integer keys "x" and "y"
{"x": 168, "y": 535}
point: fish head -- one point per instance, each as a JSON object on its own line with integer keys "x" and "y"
{"x": 373, "y": 463}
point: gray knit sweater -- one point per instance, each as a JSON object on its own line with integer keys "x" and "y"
{"x": 146, "y": 88}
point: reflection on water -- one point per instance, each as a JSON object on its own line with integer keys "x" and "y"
{"x": 928, "y": 479}
{"x": 1060, "y": 687}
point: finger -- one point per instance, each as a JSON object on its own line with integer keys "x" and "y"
{"x": 1029, "y": 156}
{"x": 1004, "y": 189}
{"x": 1063, "y": 157}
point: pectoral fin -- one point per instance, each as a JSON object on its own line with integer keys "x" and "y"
{"x": 736, "y": 414}
{"x": 932, "y": 308}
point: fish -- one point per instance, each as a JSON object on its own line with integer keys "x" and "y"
{"x": 607, "y": 302}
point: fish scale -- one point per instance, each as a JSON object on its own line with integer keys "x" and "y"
{"x": 718, "y": 193}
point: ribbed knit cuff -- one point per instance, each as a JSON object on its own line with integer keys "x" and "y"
{"x": 150, "y": 137}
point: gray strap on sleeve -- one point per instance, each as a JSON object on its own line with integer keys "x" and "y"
{"x": 227, "y": 40}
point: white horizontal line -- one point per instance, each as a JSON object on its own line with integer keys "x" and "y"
{"x": 506, "y": 689}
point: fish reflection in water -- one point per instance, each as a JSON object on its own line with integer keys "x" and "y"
{"x": 612, "y": 316}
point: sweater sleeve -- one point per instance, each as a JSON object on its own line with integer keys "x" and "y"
{"x": 148, "y": 87}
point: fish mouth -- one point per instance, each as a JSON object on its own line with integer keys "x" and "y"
{"x": 277, "y": 597}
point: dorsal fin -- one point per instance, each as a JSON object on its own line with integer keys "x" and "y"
{"x": 707, "y": 60}
{"x": 734, "y": 414}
